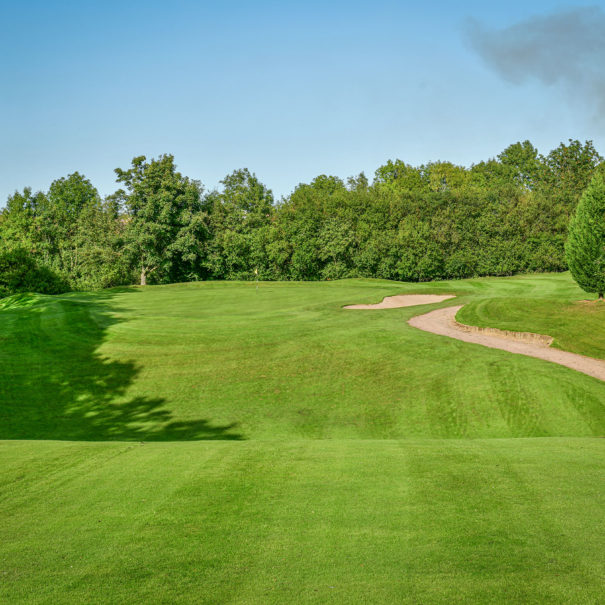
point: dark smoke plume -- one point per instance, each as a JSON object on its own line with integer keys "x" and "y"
{"x": 565, "y": 49}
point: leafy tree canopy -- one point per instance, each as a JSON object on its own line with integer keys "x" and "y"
{"x": 165, "y": 223}
{"x": 504, "y": 215}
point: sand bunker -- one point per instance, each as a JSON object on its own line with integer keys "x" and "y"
{"x": 404, "y": 300}
{"x": 443, "y": 322}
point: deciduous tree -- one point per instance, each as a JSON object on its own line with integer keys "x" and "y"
{"x": 166, "y": 224}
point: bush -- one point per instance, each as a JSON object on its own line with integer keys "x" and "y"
{"x": 19, "y": 272}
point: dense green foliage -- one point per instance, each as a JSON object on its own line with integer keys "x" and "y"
{"x": 165, "y": 223}
{"x": 70, "y": 231}
{"x": 19, "y": 272}
{"x": 500, "y": 217}
{"x": 585, "y": 249}
{"x": 267, "y": 446}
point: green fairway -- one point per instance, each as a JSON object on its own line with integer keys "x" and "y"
{"x": 303, "y": 522}
{"x": 216, "y": 442}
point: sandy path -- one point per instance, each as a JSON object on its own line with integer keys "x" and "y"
{"x": 404, "y": 300}
{"x": 443, "y": 322}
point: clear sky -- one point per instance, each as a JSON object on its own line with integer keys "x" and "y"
{"x": 288, "y": 89}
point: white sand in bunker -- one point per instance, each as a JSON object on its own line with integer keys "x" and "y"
{"x": 443, "y": 322}
{"x": 404, "y": 300}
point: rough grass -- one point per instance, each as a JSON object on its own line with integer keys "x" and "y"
{"x": 295, "y": 452}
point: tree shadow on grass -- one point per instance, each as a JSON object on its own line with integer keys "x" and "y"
{"x": 55, "y": 385}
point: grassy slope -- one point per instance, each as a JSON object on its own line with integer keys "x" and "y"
{"x": 576, "y": 325}
{"x": 318, "y": 474}
{"x": 219, "y": 360}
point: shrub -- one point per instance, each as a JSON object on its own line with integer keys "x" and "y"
{"x": 19, "y": 272}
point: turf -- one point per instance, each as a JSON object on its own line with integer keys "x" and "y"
{"x": 575, "y": 325}
{"x": 218, "y": 443}
{"x": 227, "y": 361}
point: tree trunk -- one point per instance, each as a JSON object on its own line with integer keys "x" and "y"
{"x": 143, "y": 277}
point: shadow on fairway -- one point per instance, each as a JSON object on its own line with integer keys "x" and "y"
{"x": 54, "y": 384}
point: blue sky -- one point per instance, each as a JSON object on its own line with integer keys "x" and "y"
{"x": 288, "y": 89}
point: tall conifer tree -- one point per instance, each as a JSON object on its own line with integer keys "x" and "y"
{"x": 585, "y": 248}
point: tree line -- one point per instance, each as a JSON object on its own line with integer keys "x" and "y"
{"x": 506, "y": 215}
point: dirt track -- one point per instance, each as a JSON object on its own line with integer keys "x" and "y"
{"x": 443, "y": 322}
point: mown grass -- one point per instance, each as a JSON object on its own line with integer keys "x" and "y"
{"x": 215, "y": 443}
{"x": 576, "y": 325}
{"x": 312, "y": 521}
{"x": 225, "y": 360}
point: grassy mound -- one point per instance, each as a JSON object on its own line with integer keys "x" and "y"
{"x": 576, "y": 325}
{"x": 295, "y": 451}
